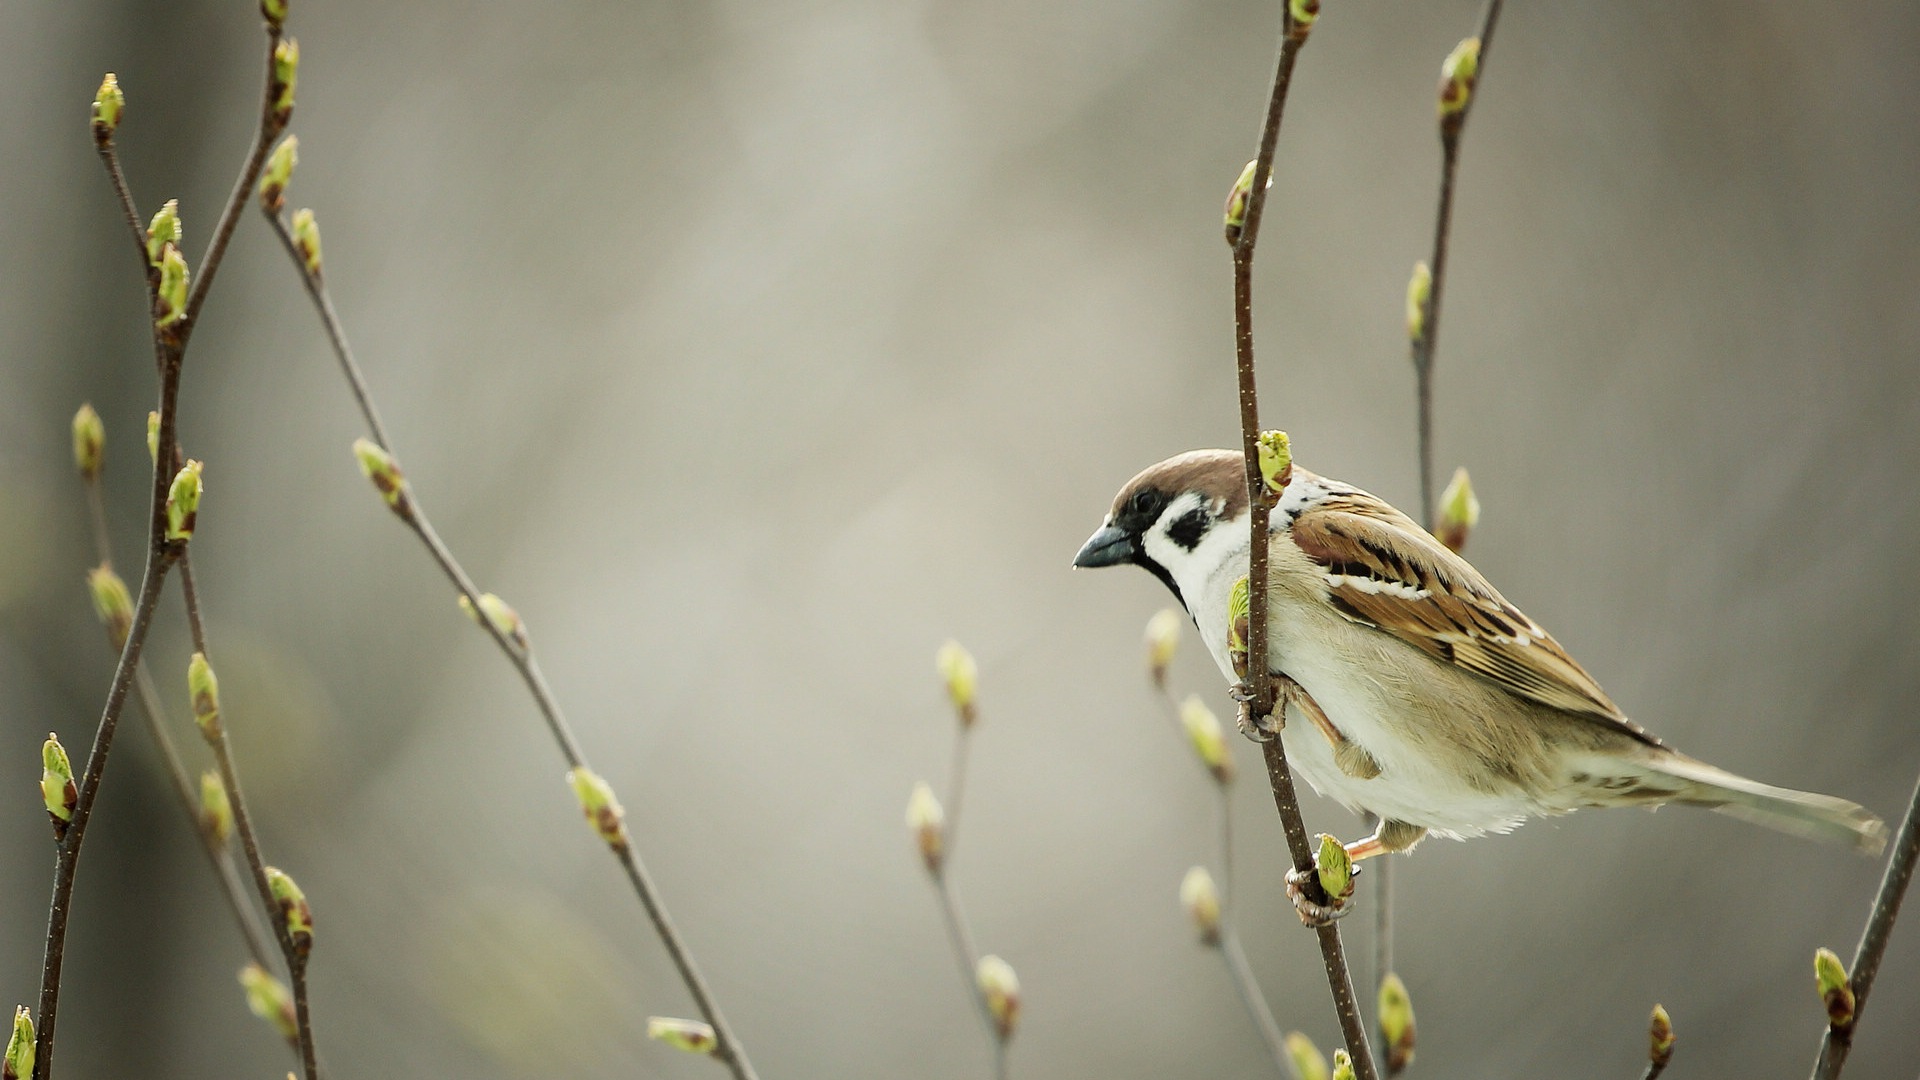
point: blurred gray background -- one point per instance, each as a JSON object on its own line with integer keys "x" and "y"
{"x": 753, "y": 349}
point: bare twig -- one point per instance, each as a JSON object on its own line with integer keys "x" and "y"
{"x": 951, "y": 912}
{"x": 727, "y": 1046}
{"x": 1279, "y": 776}
{"x": 1838, "y": 1042}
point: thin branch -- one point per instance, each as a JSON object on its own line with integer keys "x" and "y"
{"x": 1279, "y": 776}
{"x": 1873, "y": 940}
{"x": 727, "y": 1046}
{"x": 951, "y": 911}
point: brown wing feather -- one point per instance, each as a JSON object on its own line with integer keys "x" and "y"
{"x": 1387, "y": 572}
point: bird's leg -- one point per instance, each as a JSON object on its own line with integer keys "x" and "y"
{"x": 1350, "y": 756}
{"x": 1270, "y": 725}
{"x": 1391, "y": 836}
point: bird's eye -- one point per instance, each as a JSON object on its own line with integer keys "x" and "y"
{"x": 1141, "y": 503}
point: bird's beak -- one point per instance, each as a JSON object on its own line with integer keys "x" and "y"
{"x": 1111, "y": 546}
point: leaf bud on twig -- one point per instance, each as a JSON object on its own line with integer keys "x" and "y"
{"x": 275, "y": 12}
{"x": 1307, "y": 1060}
{"x": 153, "y": 437}
{"x": 690, "y": 1035}
{"x": 962, "y": 676}
{"x": 203, "y": 688}
{"x": 294, "y": 911}
{"x": 216, "y": 810}
{"x": 1163, "y": 640}
{"x": 56, "y": 784}
{"x": 278, "y": 174}
{"x": 603, "y": 810}
{"x": 267, "y": 998}
{"x": 18, "y": 1064}
{"x": 1204, "y": 732}
{"x": 170, "y": 303}
{"x": 1396, "y": 1023}
{"x": 1000, "y": 989}
{"x": 379, "y": 466}
{"x": 1419, "y": 290}
{"x": 111, "y": 602}
{"x": 501, "y": 615}
{"x": 89, "y": 443}
{"x": 1342, "y": 1065}
{"x": 1659, "y": 1038}
{"x": 1201, "y": 898}
{"x": 1238, "y": 605}
{"x": 929, "y": 825}
{"x": 183, "y": 502}
{"x": 1276, "y": 460}
{"x": 286, "y": 73}
{"x": 1830, "y": 975}
{"x": 1300, "y": 16}
{"x": 306, "y": 240}
{"x": 1237, "y": 198}
{"x": 1335, "y": 867}
{"x": 1457, "y": 76}
{"x": 108, "y": 103}
{"x": 165, "y": 228}
{"x": 1459, "y": 511}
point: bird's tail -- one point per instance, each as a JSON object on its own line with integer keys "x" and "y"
{"x": 1803, "y": 813}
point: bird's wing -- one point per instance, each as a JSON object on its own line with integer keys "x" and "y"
{"x": 1387, "y": 572}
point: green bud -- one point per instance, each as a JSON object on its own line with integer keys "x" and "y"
{"x": 1457, "y": 76}
{"x": 1342, "y": 1066}
{"x": 279, "y": 173}
{"x": 153, "y": 437}
{"x": 501, "y": 615}
{"x": 108, "y": 103}
{"x": 603, "y": 810}
{"x": 1237, "y": 199}
{"x": 89, "y": 443}
{"x": 171, "y": 305}
{"x": 204, "y": 690}
{"x": 928, "y": 823}
{"x": 275, "y": 12}
{"x": 268, "y": 999}
{"x": 962, "y": 677}
{"x": 1300, "y": 16}
{"x": 1203, "y": 730}
{"x": 56, "y": 784}
{"x": 1419, "y": 290}
{"x": 111, "y": 602}
{"x": 20, "y": 1045}
{"x": 1276, "y": 460}
{"x": 286, "y": 73}
{"x": 1239, "y": 604}
{"x": 293, "y": 910}
{"x": 1830, "y": 975}
{"x": 1163, "y": 640}
{"x": 379, "y": 466}
{"x": 306, "y": 240}
{"x": 1459, "y": 511}
{"x": 1201, "y": 898}
{"x": 1307, "y": 1060}
{"x": 216, "y": 809}
{"x": 690, "y": 1035}
{"x": 1396, "y": 1023}
{"x": 1000, "y": 989}
{"x": 1335, "y": 868}
{"x": 183, "y": 502}
{"x": 1660, "y": 1038}
{"x": 165, "y": 228}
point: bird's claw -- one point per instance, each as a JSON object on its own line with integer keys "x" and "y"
{"x": 1261, "y": 732}
{"x": 1313, "y": 914}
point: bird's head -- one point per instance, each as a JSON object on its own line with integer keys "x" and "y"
{"x": 1175, "y": 519}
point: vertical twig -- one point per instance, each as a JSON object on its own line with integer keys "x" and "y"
{"x": 1279, "y": 776}
{"x": 1837, "y": 1044}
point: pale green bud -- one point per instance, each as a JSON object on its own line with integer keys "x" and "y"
{"x": 1836, "y": 990}
{"x": 690, "y": 1035}
{"x": 216, "y": 809}
{"x": 1300, "y": 16}
{"x": 1237, "y": 199}
{"x": 183, "y": 502}
{"x": 171, "y": 305}
{"x": 294, "y": 910}
{"x": 89, "y": 443}
{"x": 1457, "y": 76}
{"x": 962, "y": 677}
{"x": 165, "y": 228}
{"x": 1307, "y": 1060}
{"x": 286, "y": 73}
{"x": 306, "y": 240}
{"x": 600, "y": 805}
{"x": 275, "y": 12}
{"x": 1201, "y": 898}
{"x": 500, "y": 614}
{"x": 278, "y": 174}
{"x": 153, "y": 437}
{"x": 203, "y": 688}
{"x": 56, "y": 784}
{"x": 18, "y": 1064}
{"x": 380, "y": 467}
{"x": 928, "y": 822}
{"x": 1419, "y": 291}
{"x": 111, "y": 602}
{"x": 1396, "y": 1023}
{"x": 108, "y": 103}
{"x": 1342, "y": 1066}
{"x": 1459, "y": 511}
{"x": 1163, "y": 640}
{"x": 1660, "y": 1038}
{"x": 1276, "y": 460}
{"x": 1239, "y": 604}
{"x": 1209, "y": 742}
{"x": 1000, "y": 989}
{"x": 268, "y": 999}
{"x": 1335, "y": 868}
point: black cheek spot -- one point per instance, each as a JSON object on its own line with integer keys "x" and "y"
{"x": 1188, "y": 529}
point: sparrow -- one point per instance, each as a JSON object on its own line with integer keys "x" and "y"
{"x": 1409, "y": 688}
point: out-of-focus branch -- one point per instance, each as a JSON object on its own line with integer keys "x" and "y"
{"x": 1243, "y": 235}
{"x": 1838, "y": 1042}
